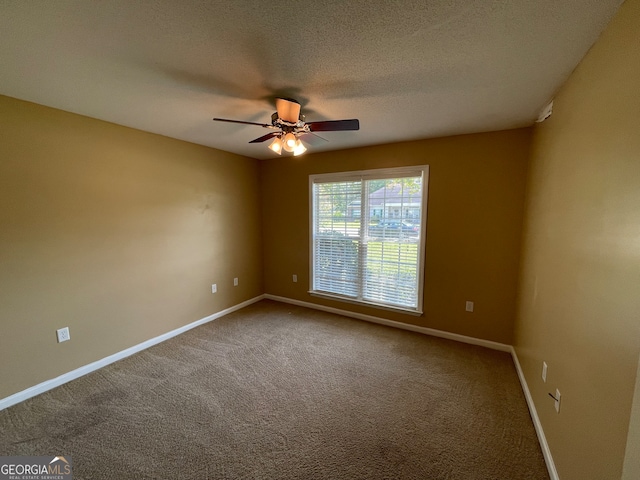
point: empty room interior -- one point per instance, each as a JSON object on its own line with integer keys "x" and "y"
{"x": 407, "y": 247}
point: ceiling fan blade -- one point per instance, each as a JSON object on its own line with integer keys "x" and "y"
{"x": 265, "y": 137}
{"x": 312, "y": 139}
{"x": 288, "y": 110}
{"x": 334, "y": 125}
{"x": 265, "y": 125}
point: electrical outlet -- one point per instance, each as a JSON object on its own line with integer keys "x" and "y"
{"x": 557, "y": 400}
{"x": 295, "y": 278}
{"x": 235, "y": 282}
{"x": 544, "y": 372}
{"x": 214, "y": 288}
{"x": 63, "y": 334}
{"x": 469, "y": 306}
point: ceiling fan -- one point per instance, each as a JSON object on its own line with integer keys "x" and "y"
{"x": 290, "y": 128}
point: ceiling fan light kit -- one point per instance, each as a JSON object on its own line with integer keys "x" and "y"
{"x": 290, "y": 141}
{"x": 299, "y": 149}
{"x": 276, "y": 145}
{"x": 295, "y": 145}
{"x": 290, "y": 125}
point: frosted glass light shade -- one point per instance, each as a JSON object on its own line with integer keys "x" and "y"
{"x": 289, "y": 142}
{"x": 276, "y": 145}
{"x": 299, "y": 149}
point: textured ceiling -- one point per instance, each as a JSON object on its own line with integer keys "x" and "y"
{"x": 407, "y": 69}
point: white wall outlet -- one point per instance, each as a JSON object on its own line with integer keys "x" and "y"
{"x": 63, "y": 334}
{"x": 235, "y": 282}
{"x": 295, "y": 278}
{"x": 214, "y": 288}
{"x": 544, "y": 372}
{"x": 557, "y": 401}
{"x": 469, "y": 306}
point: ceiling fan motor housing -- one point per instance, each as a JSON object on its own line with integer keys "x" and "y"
{"x": 288, "y": 110}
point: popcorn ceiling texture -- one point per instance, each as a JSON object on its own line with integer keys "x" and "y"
{"x": 407, "y": 69}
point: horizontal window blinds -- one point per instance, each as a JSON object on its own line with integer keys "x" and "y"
{"x": 336, "y": 239}
{"x": 367, "y": 237}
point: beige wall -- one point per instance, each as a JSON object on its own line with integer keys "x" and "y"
{"x": 631, "y": 469}
{"x": 118, "y": 234}
{"x": 580, "y": 292}
{"x": 476, "y": 198}
{"x": 115, "y": 233}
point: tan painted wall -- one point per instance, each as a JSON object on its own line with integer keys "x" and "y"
{"x": 476, "y": 198}
{"x": 115, "y": 233}
{"x": 631, "y": 469}
{"x": 580, "y": 295}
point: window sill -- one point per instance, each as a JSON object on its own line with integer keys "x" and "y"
{"x": 340, "y": 298}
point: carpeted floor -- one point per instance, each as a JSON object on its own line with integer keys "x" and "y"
{"x": 276, "y": 391}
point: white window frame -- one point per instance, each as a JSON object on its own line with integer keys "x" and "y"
{"x": 375, "y": 174}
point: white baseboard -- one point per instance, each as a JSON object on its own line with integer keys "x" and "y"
{"x": 79, "y": 372}
{"x": 392, "y": 323}
{"x": 546, "y": 452}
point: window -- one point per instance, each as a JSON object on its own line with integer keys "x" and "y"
{"x": 368, "y": 235}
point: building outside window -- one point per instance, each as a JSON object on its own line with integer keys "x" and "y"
{"x": 368, "y": 236}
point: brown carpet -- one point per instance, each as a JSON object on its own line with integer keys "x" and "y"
{"x": 275, "y": 391}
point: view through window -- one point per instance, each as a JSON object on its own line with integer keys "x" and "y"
{"x": 367, "y": 237}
